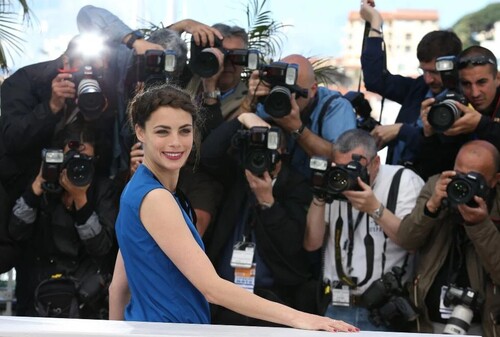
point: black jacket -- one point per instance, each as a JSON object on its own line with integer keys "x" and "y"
{"x": 54, "y": 242}
{"x": 279, "y": 230}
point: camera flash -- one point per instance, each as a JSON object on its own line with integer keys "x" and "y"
{"x": 318, "y": 163}
{"x": 273, "y": 139}
{"x": 169, "y": 61}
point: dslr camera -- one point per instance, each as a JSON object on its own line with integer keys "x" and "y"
{"x": 464, "y": 186}
{"x": 282, "y": 77}
{"x": 465, "y": 302}
{"x": 388, "y": 301}
{"x": 363, "y": 110}
{"x": 329, "y": 182}
{"x": 443, "y": 113}
{"x": 258, "y": 148}
{"x": 204, "y": 62}
{"x": 79, "y": 167}
{"x": 155, "y": 66}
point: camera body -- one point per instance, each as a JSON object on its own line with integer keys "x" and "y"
{"x": 362, "y": 109}
{"x": 155, "y": 66}
{"x": 89, "y": 96}
{"x": 388, "y": 302}
{"x": 329, "y": 182}
{"x": 282, "y": 77}
{"x": 258, "y": 148}
{"x": 464, "y": 186}
{"x": 204, "y": 62}
{"x": 443, "y": 113}
{"x": 79, "y": 167}
{"x": 466, "y": 301}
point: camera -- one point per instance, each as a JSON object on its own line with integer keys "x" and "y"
{"x": 155, "y": 66}
{"x": 443, "y": 113}
{"x": 79, "y": 167}
{"x": 258, "y": 148}
{"x": 90, "y": 98}
{"x": 388, "y": 301}
{"x": 282, "y": 77}
{"x": 204, "y": 62}
{"x": 362, "y": 109}
{"x": 464, "y": 186}
{"x": 465, "y": 302}
{"x": 329, "y": 182}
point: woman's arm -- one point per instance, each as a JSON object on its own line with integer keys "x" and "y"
{"x": 119, "y": 294}
{"x": 162, "y": 217}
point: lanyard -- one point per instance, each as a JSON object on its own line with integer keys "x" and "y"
{"x": 368, "y": 242}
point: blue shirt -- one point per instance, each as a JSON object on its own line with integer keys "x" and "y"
{"x": 159, "y": 291}
{"x": 339, "y": 117}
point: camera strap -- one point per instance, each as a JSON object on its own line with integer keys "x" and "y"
{"x": 323, "y": 111}
{"x": 368, "y": 240}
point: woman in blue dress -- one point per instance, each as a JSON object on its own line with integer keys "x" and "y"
{"x": 162, "y": 260}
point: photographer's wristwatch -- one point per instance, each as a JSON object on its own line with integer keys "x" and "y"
{"x": 297, "y": 133}
{"x": 377, "y": 214}
{"x": 212, "y": 94}
{"x": 135, "y": 35}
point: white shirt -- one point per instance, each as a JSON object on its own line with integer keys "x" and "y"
{"x": 409, "y": 189}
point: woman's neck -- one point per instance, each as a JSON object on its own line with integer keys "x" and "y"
{"x": 166, "y": 177}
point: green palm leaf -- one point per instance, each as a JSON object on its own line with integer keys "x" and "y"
{"x": 10, "y": 29}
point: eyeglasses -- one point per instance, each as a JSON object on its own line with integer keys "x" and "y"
{"x": 428, "y": 71}
{"x": 475, "y": 61}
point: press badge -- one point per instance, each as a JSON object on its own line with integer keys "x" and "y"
{"x": 342, "y": 296}
{"x": 443, "y": 310}
{"x": 243, "y": 253}
{"x": 245, "y": 277}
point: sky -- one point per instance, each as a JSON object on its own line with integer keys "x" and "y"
{"x": 316, "y": 27}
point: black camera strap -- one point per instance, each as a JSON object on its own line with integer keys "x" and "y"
{"x": 369, "y": 246}
{"x": 322, "y": 113}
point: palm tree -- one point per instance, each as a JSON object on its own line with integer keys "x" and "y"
{"x": 10, "y": 28}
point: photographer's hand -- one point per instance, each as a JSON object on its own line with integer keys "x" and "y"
{"x": 62, "y": 88}
{"x": 36, "y": 186}
{"x": 200, "y": 31}
{"x": 262, "y": 187}
{"x": 424, "y": 111}
{"x": 467, "y": 123}
{"x": 78, "y": 194}
{"x": 141, "y": 46}
{"x": 434, "y": 202}
{"x": 474, "y": 215}
{"x": 371, "y": 15}
{"x": 364, "y": 200}
{"x": 136, "y": 157}
{"x": 250, "y": 120}
{"x": 383, "y": 134}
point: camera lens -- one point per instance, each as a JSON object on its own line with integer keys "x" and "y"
{"x": 338, "y": 180}
{"x": 459, "y": 191}
{"x": 442, "y": 115}
{"x": 205, "y": 64}
{"x": 80, "y": 170}
{"x": 277, "y": 103}
{"x": 90, "y": 98}
{"x": 459, "y": 321}
{"x": 257, "y": 162}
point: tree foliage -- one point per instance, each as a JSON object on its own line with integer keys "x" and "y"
{"x": 10, "y": 28}
{"x": 476, "y": 22}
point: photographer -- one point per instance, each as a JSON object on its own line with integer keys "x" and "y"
{"x": 454, "y": 230}
{"x": 64, "y": 222}
{"x": 314, "y": 122}
{"x": 41, "y": 99}
{"x": 402, "y": 138}
{"x": 361, "y": 246}
{"x": 264, "y": 207}
{"x": 478, "y": 83}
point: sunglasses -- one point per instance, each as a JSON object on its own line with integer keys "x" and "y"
{"x": 475, "y": 61}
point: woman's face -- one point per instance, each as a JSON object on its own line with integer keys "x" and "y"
{"x": 167, "y": 137}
